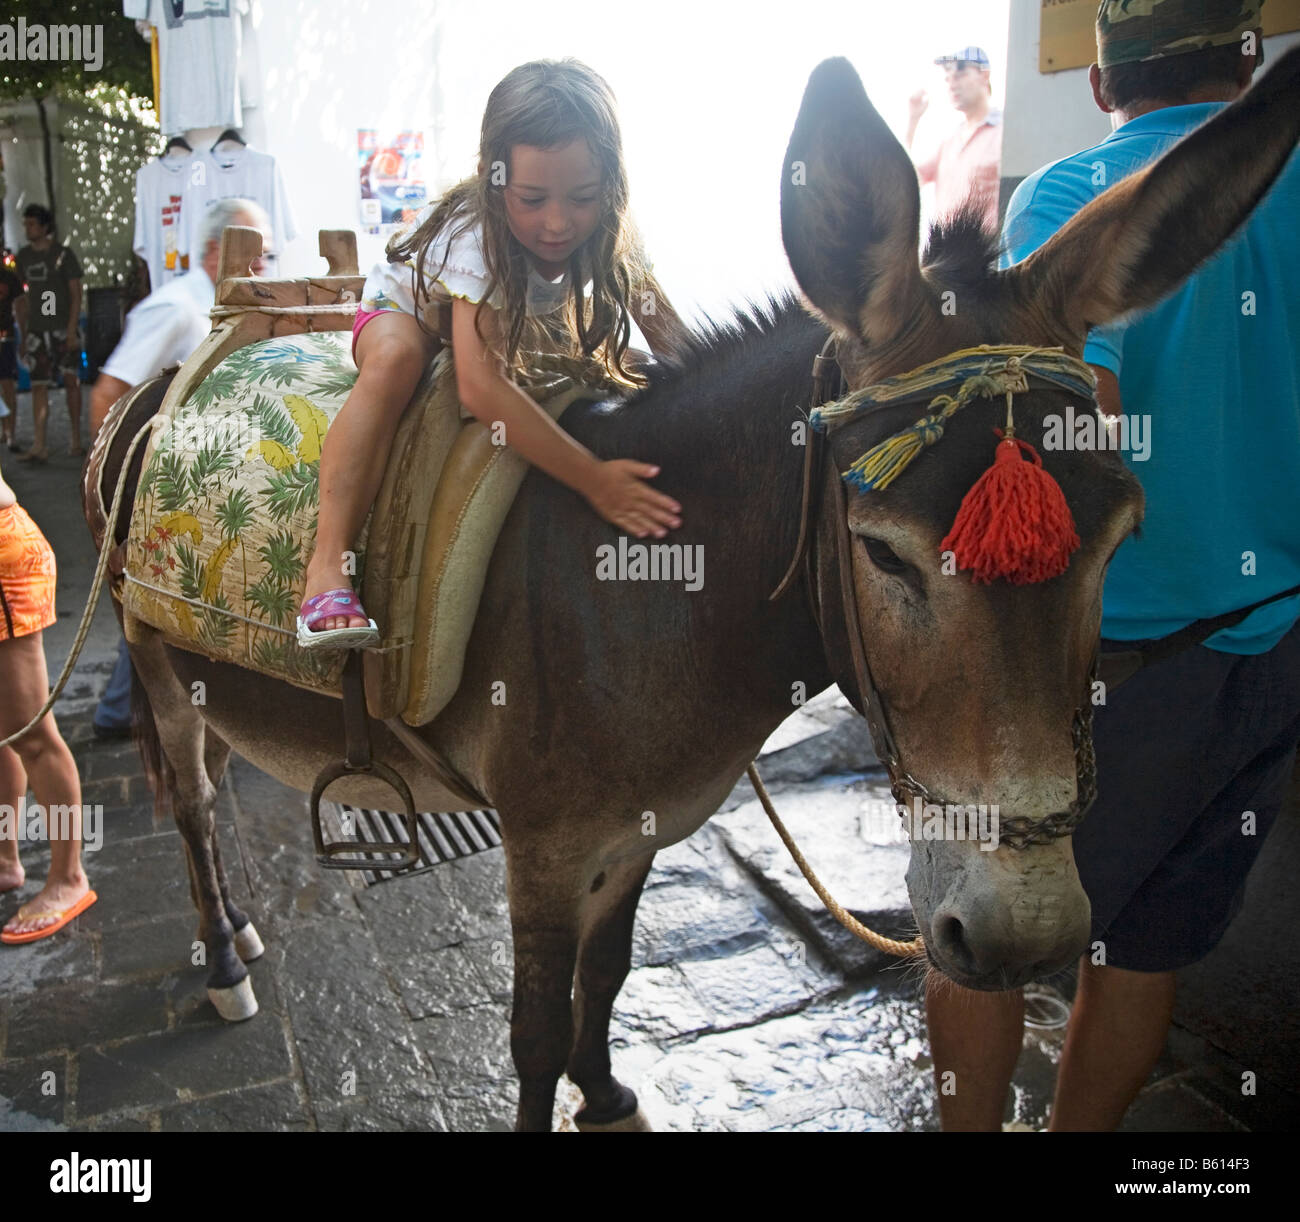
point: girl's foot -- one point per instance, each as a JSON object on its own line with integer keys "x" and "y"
{"x": 319, "y": 583}
{"x": 48, "y": 907}
{"x": 337, "y": 604}
{"x": 12, "y": 876}
{"x": 36, "y": 456}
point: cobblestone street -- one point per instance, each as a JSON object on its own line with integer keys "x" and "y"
{"x": 386, "y": 1006}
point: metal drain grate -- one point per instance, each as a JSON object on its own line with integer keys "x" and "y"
{"x": 441, "y": 837}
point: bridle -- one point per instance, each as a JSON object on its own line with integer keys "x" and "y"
{"x": 1016, "y": 831}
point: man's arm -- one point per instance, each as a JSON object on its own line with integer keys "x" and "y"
{"x": 106, "y": 391}
{"x": 74, "y": 308}
{"x": 1107, "y": 391}
{"x": 20, "y": 308}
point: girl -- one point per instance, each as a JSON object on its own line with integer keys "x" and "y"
{"x": 535, "y": 251}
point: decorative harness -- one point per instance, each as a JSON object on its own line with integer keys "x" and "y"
{"x": 1013, "y": 524}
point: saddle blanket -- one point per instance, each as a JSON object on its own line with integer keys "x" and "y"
{"x": 224, "y": 519}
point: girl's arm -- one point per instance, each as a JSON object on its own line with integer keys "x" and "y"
{"x": 615, "y": 489}
{"x": 664, "y": 330}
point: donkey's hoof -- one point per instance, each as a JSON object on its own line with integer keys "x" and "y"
{"x": 235, "y": 1003}
{"x": 634, "y": 1122}
{"x": 248, "y": 946}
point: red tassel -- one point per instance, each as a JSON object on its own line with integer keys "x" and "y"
{"x": 1014, "y": 523}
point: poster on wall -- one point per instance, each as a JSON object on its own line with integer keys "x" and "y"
{"x": 392, "y": 182}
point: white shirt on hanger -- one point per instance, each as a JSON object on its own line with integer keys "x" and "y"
{"x": 160, "y": 188}
{"x": 198, "y": 52}
{"x": 238, "y": 171}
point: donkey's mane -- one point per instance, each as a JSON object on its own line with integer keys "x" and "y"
{"x": 756, "y": 339}
{"x": 959, "y": 251}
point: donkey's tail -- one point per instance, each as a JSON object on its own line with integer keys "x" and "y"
{"x": 158, "y": 770}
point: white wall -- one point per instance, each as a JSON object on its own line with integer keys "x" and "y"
{"x": 1051, "y": 115}
{"x": 329, "y": 68}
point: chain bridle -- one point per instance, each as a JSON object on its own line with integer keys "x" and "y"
{"x": 1016, "y": 831}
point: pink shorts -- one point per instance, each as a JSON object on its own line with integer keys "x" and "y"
{"x": 363, "y": 317}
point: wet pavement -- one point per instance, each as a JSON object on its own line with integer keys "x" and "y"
{"x": 386, "y": 1007}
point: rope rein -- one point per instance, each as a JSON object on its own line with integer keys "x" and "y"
{"x": 890, "y": 946}
{"x": 96, "y": 584}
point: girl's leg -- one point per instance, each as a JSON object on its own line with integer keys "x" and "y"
{"x": 392, "y": 355}
{"x": 52, "y": 772}
{"x": 13, "y": 785}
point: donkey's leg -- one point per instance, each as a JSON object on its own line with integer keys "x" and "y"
{"x": 216, "y": 755}
{"x": 604, "y": 956}
{"x": 180, "y": 734}
{"x": 545, "y": 903}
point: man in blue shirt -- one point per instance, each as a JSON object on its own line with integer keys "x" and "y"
{"x": 1195, "y": 753}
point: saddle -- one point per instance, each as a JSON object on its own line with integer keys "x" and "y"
{"x": 224, "y": 516}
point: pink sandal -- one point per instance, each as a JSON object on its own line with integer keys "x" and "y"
{"x": 334, "y": 602}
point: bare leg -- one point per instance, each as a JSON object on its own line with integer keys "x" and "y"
{"x": 9, "y": 393}
{"x": 40, "y": 410}
{"x": 53, "y": 774}
{"x": 72, "y": 388}
{"x": 13, "y": 785}
{"x": 975, "y": 1042}
{"x": 1117, "y": 1032}
{"x": 392, "y": 354}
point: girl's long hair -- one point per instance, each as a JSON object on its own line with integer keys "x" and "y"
{"x": 545, "y": 104}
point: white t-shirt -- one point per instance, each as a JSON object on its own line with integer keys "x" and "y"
{"x": 198, "y": 52}
{"x": 160, "y": 188}
{"x": 391, "y": 286}
{"x": 245, "y": 172}
{"x": 164, "y": 329}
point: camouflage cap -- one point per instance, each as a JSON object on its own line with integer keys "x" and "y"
{"x": 1131, "y": 31}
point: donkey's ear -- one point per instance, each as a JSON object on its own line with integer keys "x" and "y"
{"x": 1138, "y": 241}
{"x": 851, "y": 209}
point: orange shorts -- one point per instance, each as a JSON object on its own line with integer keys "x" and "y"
{"x": 27, "y": 576}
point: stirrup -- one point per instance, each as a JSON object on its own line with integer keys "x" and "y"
{"x": 358, "y": 762}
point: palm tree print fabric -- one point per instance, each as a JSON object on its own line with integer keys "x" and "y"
{"x": 225, "y": 511}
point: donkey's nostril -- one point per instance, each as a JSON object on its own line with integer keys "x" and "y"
{"x": 950, "y": 940}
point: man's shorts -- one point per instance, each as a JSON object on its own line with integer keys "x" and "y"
{"x": 48, "y": 351}
{"x": 8, "y": 361}
{"x": 1185, "y": 749}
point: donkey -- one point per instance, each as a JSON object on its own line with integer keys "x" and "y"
{"x": 624, "y": 697}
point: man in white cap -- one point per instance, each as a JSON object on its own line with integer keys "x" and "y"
{"x": 967, "y": 164}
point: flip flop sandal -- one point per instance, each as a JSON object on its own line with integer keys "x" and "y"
{"x": 334, "y": 602}
{"x": 64, "y": 916}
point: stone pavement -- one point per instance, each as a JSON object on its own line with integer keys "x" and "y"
{"x": 386, "y": 1007}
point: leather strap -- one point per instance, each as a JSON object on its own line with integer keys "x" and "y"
{"x": 446, "y": 775}
{"x": 1118, "y": 667}
{"x": 356, "y": 728}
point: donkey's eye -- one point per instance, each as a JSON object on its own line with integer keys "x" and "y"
{"x": 883, "y": 556}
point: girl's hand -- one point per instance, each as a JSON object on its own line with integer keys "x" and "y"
{"x": 618, "y": 493}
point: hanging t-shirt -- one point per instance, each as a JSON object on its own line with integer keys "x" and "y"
{"x": 44, "y": 271}
{"x": 198, "y": 52}
{"x": 159, "y": 197}
{"x": 239, "y": 172}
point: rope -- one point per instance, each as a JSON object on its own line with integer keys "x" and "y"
{"x": 96, "y": 584}
{"x": 891, "y": 946}
{"x": 983, "y": 372}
